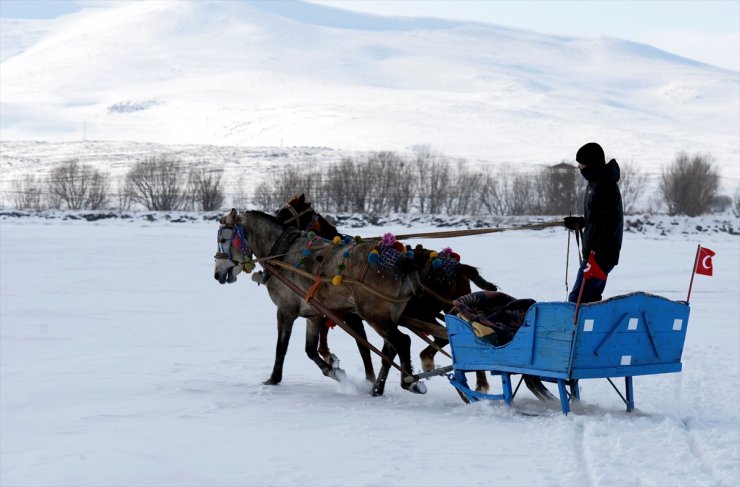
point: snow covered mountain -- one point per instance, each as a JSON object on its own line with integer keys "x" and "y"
{"x": 250, "y": 73}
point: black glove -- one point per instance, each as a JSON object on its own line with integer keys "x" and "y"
{"x": 571, "y": 222}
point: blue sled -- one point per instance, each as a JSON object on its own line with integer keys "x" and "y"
{"x": 624, "y": 336}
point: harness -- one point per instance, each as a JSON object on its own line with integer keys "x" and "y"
{"x": 296, "y": 215}
{"x": 236, "y": 239}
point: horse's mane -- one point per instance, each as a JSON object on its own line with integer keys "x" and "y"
{"x": 266, "y": 216}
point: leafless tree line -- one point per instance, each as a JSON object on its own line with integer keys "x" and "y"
{"x": 376, "y": 184}
{"x": 155, "y": 184}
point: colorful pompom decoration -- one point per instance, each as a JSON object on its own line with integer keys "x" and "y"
{"x": 455, "y": 255}
{"x": 306, "y": 252}
{"x": 310, "y": 235}
{"x": 336, "y": 240}
{"x": 433, "y": 255}
{"x": 388, "y": 240}
{"x": 437, "y": 263}
{"x": 373, "y": 257}
{"x": 336, "y": 280}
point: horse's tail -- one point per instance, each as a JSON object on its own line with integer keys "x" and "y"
{"x": 473, "y": 275}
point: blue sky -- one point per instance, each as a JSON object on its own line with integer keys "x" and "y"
{"x": 705, "y": 30}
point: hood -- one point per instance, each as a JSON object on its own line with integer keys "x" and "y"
{"x": 608, "y": 171}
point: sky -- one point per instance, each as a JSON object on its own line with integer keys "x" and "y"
{"x": 707, "y": 31}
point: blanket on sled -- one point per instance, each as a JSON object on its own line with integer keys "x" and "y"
{"x": 494, "y": 316}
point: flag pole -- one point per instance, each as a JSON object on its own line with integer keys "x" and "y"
{"x": 693, "y": 272}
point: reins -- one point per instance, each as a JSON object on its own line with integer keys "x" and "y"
{"x": 474, "y": 231}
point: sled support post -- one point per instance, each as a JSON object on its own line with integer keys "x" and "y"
{"x": 564, "y": 398}
{"x": 630, "y": 393}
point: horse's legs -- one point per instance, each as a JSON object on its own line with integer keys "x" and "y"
{"x": 323, "y": 341}
{"x": 355, "y": 322}
{"x": 481, "y": 382}
{"x": 385, "y": 367}
{"x": 397, "y": 343}
{"x": 285, "y": 328}
{"x": 427, "y": 355}
{"x": 313, "y": 327}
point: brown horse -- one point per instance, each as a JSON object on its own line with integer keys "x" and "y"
{"x": 441, "y": 287}
{"x": 312, "y": 264}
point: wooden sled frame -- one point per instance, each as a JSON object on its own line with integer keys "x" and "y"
{"x": 624, "y": 336}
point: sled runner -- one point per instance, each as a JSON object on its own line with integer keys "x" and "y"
{"x": 624, "y": 336}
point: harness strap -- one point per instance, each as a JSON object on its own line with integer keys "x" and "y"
{"x": 313, "y": 289}
{"x": 347, "y": 280}
{"x": 296, "y": 216}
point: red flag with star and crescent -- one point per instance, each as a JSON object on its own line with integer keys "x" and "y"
{"x": 704, "y": 261}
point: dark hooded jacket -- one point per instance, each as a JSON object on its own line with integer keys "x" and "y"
{"x": 602, "y": 209}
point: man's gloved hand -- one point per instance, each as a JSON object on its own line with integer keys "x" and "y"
{"x": 571, "y": 222}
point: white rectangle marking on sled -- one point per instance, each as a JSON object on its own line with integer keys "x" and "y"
{"x": 588, "y": 325}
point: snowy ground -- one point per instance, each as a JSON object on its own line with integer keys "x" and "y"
{"x": 125, "y": 363}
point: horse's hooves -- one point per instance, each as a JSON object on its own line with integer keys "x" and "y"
{"x": 338, "y": 374}
{"x": 415, "y": 387}
{"x": 333, "y": 360}
{"x": 271, "y": 382}
{"x": 378, "y": 389}
{"x": 427, "y": 364}
{"x": 482, "y": 389}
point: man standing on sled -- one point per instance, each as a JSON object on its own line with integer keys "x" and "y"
{"x": 601, "y": 224}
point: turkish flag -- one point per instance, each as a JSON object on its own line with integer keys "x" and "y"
{"x": 592, "y": 269}
{"x": 704, "y": 262}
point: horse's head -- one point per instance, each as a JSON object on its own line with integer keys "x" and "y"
{"x": 296, "y": 213}
{"x": 233, "y": 254}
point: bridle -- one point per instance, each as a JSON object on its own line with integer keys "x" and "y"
{"x": 231, "y": 237}
{"x": 296, "y": 215}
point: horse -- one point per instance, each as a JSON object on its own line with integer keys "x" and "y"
{"x": 307, "y": 262}
{"x": 440, "y": 290}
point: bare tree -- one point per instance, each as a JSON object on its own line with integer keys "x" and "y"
{"x": 463, "y": 191}
{"x": 337, "y": 182}
{"x": 438, "y": 182}
{"x": 490, "y": 193}
{"x": 78, "y": 186}
{"x": 689, "y": 184}
{"x": 423, "y": 159}
{"x": 521, "y": 194}
{"x": 264, "y": 197}
{"x": 736, "y": 202}
{"x": 241, "y": 199}
{"x": 157, "y": 184}
{"x": 204, "y": 189}
{"x": 632, "y": 183}
{"x": 123, "y": 195}
{"x": 27, "y": 193}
